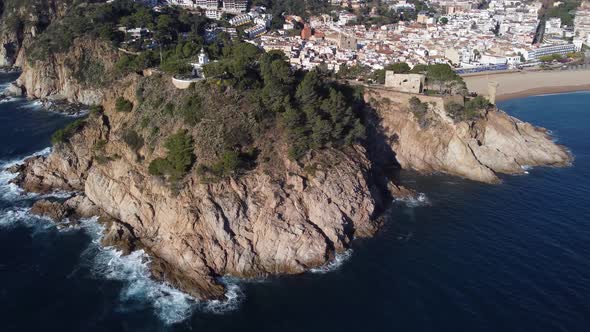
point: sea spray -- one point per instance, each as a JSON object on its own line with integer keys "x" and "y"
{"x": 416, "y": 201}
{"x": 10, "y": 191}
{"x": 233, "y": 297}
{"x": 18, "y": 161}
{"x": 140, "y": 289}
{"x": 334, "y": 264}
{"x": 11, "y": 217}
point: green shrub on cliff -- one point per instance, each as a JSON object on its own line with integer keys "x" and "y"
{"x": 192, "y": 110}
{"x": 419, "y": 109}
{"x": 477, "y": 103}
{"x": 63, "y": 135}
{"x": 231, "y": 163}
{"x": 442, "y": 78}
{"x": 320, "y": 118}
{"x": 178, "y": 161}
{"x": 90, "y": 72}
{"x": 96, "y": 110}
{"x": 471, "y": 111}
{"x": 132, "y": 139}
{"x": 123, "y": 105}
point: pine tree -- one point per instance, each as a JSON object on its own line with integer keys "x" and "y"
{"x": 308, "y": 91}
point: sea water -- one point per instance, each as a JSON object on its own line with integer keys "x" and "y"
{"x": 464, "y": 257}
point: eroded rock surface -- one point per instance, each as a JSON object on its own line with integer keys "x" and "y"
{"x": 478, "y": 150}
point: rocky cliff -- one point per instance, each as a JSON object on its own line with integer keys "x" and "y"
{"x": 263, "y": 222}
{"x": 479, "y": 149}
{"x": 277, "y": 216}
{"x": 21, "y": 22}
{"x": 268, "y": 221}
{"x": 79, "y": 75}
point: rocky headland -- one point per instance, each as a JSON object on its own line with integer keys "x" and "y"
{"x": 209, "y": 181}
{"x": 477, "y": 149}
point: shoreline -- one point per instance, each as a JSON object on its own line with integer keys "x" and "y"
{"x": 525, "y": 84}
{"x": 543, "y": 91}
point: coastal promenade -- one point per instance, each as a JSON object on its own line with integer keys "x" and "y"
{"x": 522, "y": 84}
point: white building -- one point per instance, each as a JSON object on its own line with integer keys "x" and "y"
{"x": 561, "y": 49}
{"x": 582, "y": 23}
{"x": 255, "y": 31}
{"x": 553, "y": 26}
{"x": 240, "y": 20}
{"x": 235, "y": 6}
{"x": 203, "y": 59}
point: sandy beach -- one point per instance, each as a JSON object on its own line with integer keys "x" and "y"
{"x": 522, "y": 84}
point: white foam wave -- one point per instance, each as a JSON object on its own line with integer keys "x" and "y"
{"x": 420, "y": 200}
{"x": 10, "y": 191}
{"x": 233, "y": 297}
{"x": 334, "y": 264}
{"x": 169, "y": 304}
{"x": 32, "y": 105}
{"x": 526, "y": 169}
{"x": 11, "y": 217}
{"x": 10, "y": 163}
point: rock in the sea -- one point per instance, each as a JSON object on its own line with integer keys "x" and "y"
{"x": 478, "y": 150}
{"x": 81, "y": 207}
{"x": 54, "y": 210}
{"x": 118, "y": 235}
{"x": 68, "y": 212}
{"x": 14, "y": 90}
{"x": 400, "y": 192}
{"x": 252, "y": 226}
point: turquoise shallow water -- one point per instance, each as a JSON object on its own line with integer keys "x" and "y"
{"x": 510, "y": 257}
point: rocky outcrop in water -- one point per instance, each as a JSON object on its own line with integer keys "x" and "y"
{"x": 258, "y": 224}
{"x": 262, "y": 222}
{"x": 252, "y": 226}
{"x": 480, "y": 149}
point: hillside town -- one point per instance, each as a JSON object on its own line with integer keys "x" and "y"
{"x": 470, "y": 35}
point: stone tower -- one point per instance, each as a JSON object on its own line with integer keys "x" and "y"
{"x": 203, "y": 57}
{"x": 492, "y": 91}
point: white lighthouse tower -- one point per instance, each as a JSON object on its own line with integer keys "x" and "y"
{"x": 203, "y": 57}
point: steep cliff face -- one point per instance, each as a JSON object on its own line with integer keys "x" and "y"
{"x": 79, "y": 75}
{"x": 478, "y": 149}
{"x": 20, "y": 22}
{"x": 257, "y": 224}
{"x": 252, "y": 226}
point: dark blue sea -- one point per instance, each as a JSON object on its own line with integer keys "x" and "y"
{"x": 468, "y": 257}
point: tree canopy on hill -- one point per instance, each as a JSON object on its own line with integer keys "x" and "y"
{"x": 100, "y": 20}
{"x": 248, "y": 97}
{"x": 293, "y": 7}
{"x": 442, "y": 75}
{"x": 314, "y": 111}
{"x": 565, "y": 11}
{"x": 304, "y": 110}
